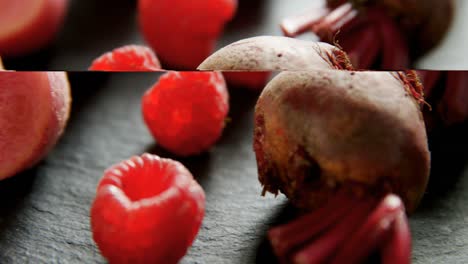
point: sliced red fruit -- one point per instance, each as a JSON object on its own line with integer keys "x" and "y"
{"x": 147, "y": 210}
{"x": 252, "y": 80}
{"x": 27, "y": 26}
{"x": 34, "y": 109}
{"x": 183, "y": 33}
{"x": 186, "y": 111}
{"x": 127, "y": 58}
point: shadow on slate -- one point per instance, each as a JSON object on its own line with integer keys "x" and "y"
{"x": 449, "y": 158}
{"x": 36, "y": 61}
{"x": 89, "y": 25}
{"x": 12, "y": 192}
{"x": 241, "y": 102}
{"x": 98, "y": 23}
{"x": 198, "y": 165}
{"x": 264, "y": 250}
{"x": 248, "y": 14}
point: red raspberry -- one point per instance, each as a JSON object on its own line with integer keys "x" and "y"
{"x": 127, "y": 58}
{"x": 186, "y": 111}
{"x": 182, "y": 32}
{"x": 147, "y": 210}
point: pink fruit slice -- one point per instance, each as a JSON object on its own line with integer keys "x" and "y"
{"x": 34, "y": 109}
{"x": 27, "y": 26}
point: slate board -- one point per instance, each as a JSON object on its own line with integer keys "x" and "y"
{"x": 44, "y": 212}
{"x": 94, "y": 27}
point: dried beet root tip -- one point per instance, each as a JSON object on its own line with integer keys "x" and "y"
{"x": 338, "y": 60}
{"x": 333, "y": 232}
{"x": 413, "y": 85}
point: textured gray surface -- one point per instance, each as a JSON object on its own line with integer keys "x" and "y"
{"x": 44, "y": 213}
{"x": 94, "y": 27}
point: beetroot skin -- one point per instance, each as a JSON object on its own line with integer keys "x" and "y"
{"x": 308, "y": 144}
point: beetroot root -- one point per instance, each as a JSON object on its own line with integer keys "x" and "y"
{"x": 248, "y": 62}
{"x": 269, "y": 53}
{"x": 34, "y": 109}
{"x": 28, "y": 26}
{"x": 337, "y": 139}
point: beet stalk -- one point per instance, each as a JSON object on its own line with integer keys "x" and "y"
{"x": 447, "y": 93}
{"x": 400, "y": 30}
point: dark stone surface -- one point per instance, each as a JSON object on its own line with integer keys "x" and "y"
{"x": 44, "y": 212}
{"x": 94, "y": 27}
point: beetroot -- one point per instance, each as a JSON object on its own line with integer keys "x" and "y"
{"x": 338, "y": 140}
{"x": 248, "y": 62}
{"x": 28, "y": 26}
{"x": 386, "y": 34}
{"x": 269, "y": 53}
{"x": 34, "y": 108}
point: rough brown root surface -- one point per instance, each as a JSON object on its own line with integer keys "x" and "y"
{"x": 323, "y": 130}
{"x": 269, "y": 53}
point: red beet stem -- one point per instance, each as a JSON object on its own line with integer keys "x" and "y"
{"x": 373, "y": 233}
{"x": 429, "y": 80}
{"x": 323, "y": 248}
{"x": 338, "y": 16}
{"x": 454, "y": 107}
{"x": 346, "y": 230}
{"x": 287, "y": 237}
{"x": 394, "y": 46}
{"x": 362, "y": 46}
{"x": 398, "y": 248}
{"x": 296, "y": 25}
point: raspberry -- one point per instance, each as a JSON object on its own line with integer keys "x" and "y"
{"x": 182, "y": 32}
{"x": 127, "y": 58}
{"x": 147, "y": 210}
{"x": 186, "y": 111}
